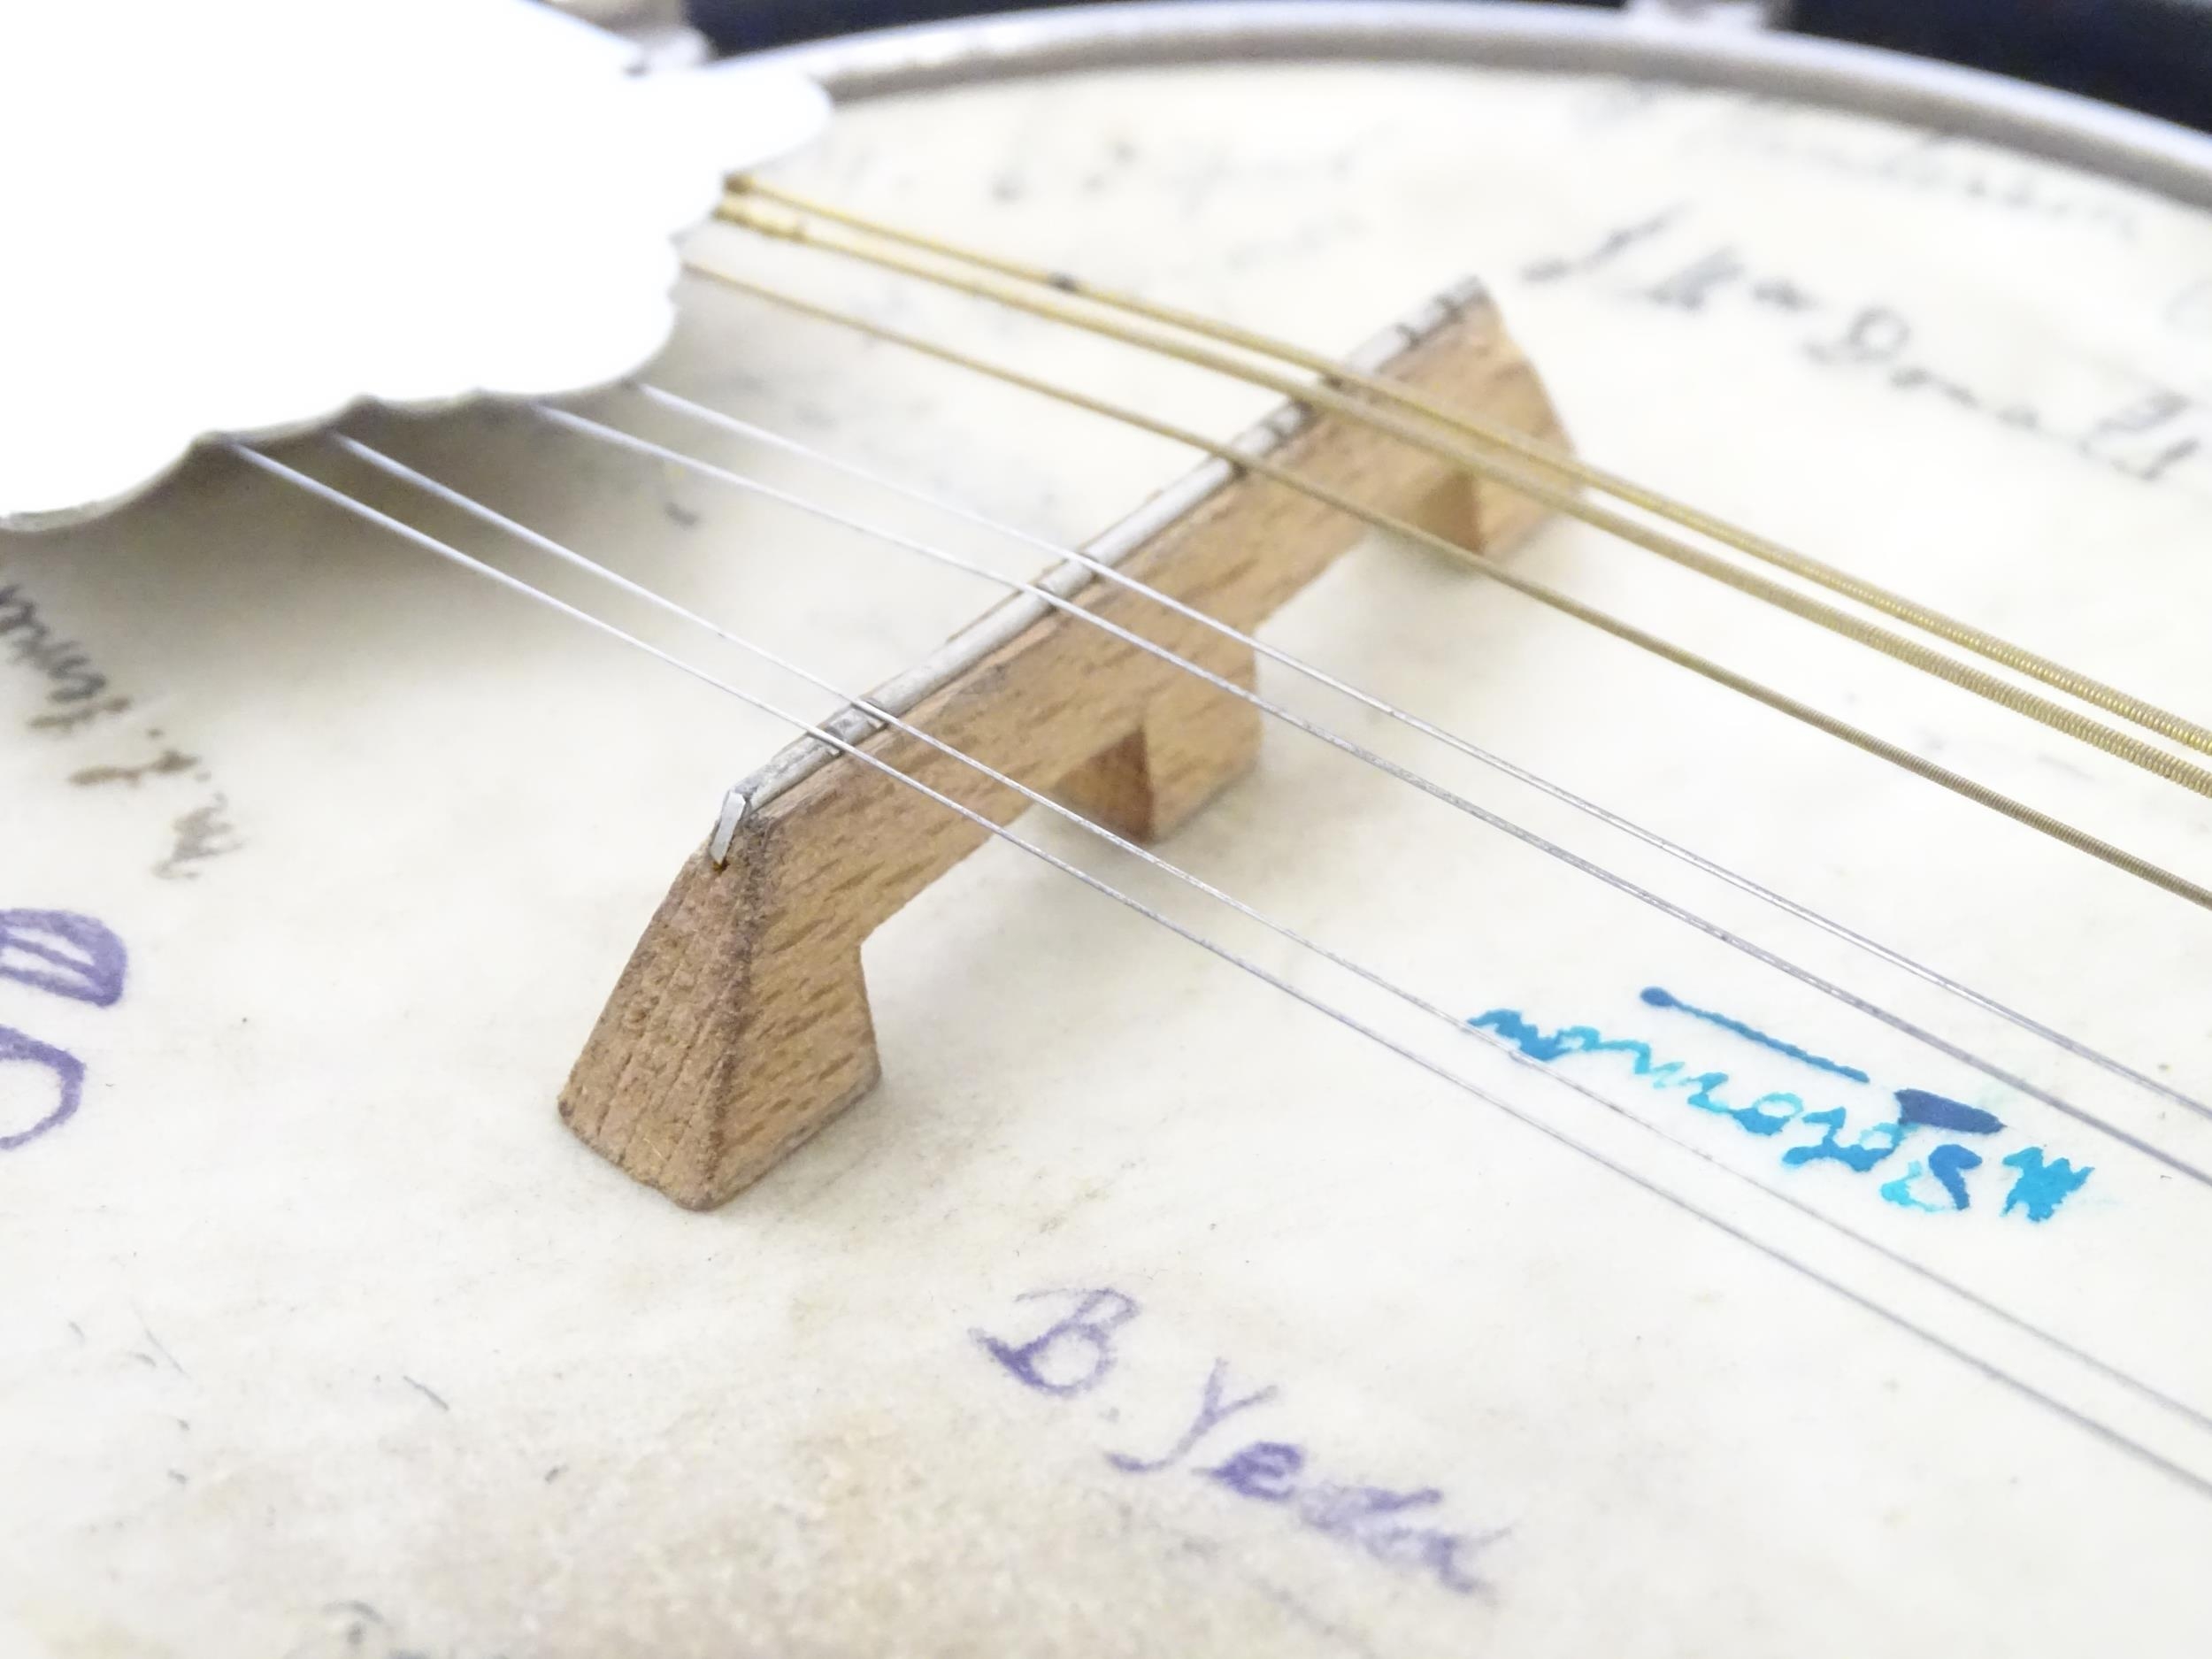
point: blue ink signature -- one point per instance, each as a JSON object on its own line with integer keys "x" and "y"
{"x": 1076, "y": 1354}
{"x": 1917, "y": 1106}
{"x": 1658, "y": 996}
{"x": 2041, "y": 1185}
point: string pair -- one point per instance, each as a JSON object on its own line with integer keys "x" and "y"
{"x": 1556, "y": 493}
{"x": 1529, "y": 1118}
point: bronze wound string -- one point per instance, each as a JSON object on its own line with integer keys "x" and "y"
{"x": 1520, "y": 478}
{"x": 1567, "y": 467}
{"x": 1957, "y": 783}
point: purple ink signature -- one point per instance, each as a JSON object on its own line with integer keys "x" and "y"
{"x": 1400, "y": 1529}
{"x": 68, "y": 1075}
{"x": 60, "y": 951}
{"x": 69, "y": 955}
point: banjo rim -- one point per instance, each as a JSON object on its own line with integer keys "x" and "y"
{"x": 2059, "y": 126}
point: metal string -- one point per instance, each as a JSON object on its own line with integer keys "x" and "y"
{"x": 487, "y": 514}
{"x": 2081, "y": 1418}
{"x": 749, "y": 430}
{"x": 1523, "y": 480}
{"x": 620, "y": 439}
{"x": 1495, "y": 436}
{"x": 2005, "y": 806}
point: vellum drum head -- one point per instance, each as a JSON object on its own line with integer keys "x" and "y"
{"x": 1140, "y": 1309}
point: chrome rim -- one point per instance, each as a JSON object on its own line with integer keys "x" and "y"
{"x": 2059, "y": 126}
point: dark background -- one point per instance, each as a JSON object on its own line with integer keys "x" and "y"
{"x": 2150, "y": 55}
